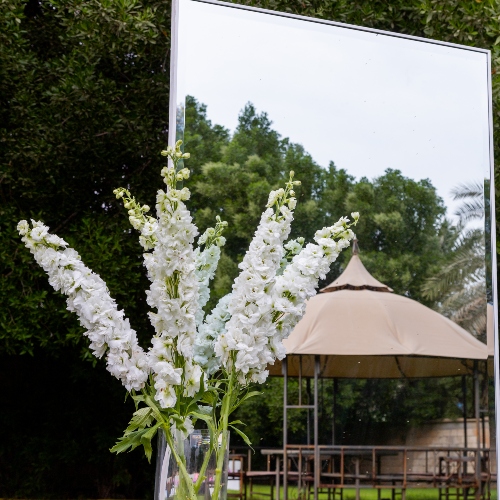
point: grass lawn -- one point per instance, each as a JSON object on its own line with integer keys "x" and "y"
{"x": 261, "y": 492}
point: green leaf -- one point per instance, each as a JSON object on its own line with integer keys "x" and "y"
{"x": 146, "y": 441}
{"x": 154, "y": 406}
{"x": 206, "y": 410}
{"x": 242, "y": 434}
{"x": 248, "y": 395}
{"x": 237, "y": 422}
{"x": 142, "y": 418}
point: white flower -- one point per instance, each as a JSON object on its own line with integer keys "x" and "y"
{"x": 300, "y": 279}
{"x": 192, "y": 379}
{"x": 250, "y": 326}
{"x": 107, "y": 328}
{"x": 23, "y": 227}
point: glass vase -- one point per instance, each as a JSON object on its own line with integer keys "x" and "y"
{"x": 190, "y": 471}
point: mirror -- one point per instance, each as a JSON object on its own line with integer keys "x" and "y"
{"x": 396, "y": 128}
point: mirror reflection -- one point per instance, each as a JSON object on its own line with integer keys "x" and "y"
{"x": 388, "y": 385}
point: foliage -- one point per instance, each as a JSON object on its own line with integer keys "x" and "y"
{"x": 402, "y": 234}
{"x": 83, "y": 93}
{"x": 458, "y": 289}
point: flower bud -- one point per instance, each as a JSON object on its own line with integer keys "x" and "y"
{"x": 127, "y": 204}
{"x": 164, "y": 153}
{"x": 23, "y": 227}
{"x": 292, "y": 192}
{"x": 186, "y": 155}
{"x": 145, "y": 208}
{"x": 355, "y": 215}
{"x": 131, "y": 212}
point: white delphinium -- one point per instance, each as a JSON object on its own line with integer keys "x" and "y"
{"x": 243, "y": 348}
{"x": 145, "y": 224}
{"x": 241, "y": 336}
{"x": 300, "y": 278}
{"x": 173, "y": 291}
{"x": 206, "y": 259}
{"x": 107, "y": 328}
{"x": 208, "y": 332}
{"x": 292, "y": 247}
{"x": 206, "y": 263}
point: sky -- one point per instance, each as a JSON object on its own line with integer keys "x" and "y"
{"x": 366, "y": 101}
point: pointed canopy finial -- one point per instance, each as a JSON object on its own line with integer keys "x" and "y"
{"x": 355, "y": 276}
{"x": 355, "y": 247}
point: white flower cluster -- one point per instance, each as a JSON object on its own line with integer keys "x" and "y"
{"x": 174, "y": 270}
{"x": 300, "y": 278}
{"x": 206, "y": 263}
{"x": 144, "y": 223}
{"x": 269, "y": 295}
{"x": 208, "y": 333}
{"x": 244, "y": 332}
{"x": 206, "y": 260}
{"x": 174, "y": 294}
{"x": 247, "y": 346}
{"x": 88, "y": 296}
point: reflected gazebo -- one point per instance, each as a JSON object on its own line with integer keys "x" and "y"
{"x": 358, "y": 328}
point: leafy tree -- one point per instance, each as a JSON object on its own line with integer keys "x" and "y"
{"x": 82, "y": 92}
{"x": 459, "y": 288}
{"x": 402, "y": 232}
{"x": 81, "y": 87}
{"x": 404, "y": 238}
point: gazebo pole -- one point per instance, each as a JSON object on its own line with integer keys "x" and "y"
{"x": 285, "y": 431}
{"x": 317, "y": 462}
{"x": 478, "y": 431}
{"x": 464, "y": 400}
{"x": 335, "y": 382}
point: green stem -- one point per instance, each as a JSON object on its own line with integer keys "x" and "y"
{"x": 221, "y": 451}
{"x": 204, "y": 465}
{"x": 182, "y": 467}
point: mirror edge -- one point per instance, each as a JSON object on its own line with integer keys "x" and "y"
{"x": 176, "y": 132}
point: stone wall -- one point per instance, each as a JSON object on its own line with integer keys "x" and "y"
{"x": 446, "y": 433}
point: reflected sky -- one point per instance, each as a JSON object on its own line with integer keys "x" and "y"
{"x": 368, "y": 102}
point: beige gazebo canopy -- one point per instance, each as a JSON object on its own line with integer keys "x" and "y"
{"x": 362, "y": 330}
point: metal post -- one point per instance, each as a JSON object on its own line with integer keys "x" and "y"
{"x": 285, "y": 431}
{"x": 464, "y": 396}
{"x": 308, "y": 389}
{"x": 317, "y": 462}
{"x": 478, "y": 432}
{"x": 335, "y": 383}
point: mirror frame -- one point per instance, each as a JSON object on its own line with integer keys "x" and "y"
{"x": 176, "y": 132}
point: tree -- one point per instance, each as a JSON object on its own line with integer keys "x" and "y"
{"x": 82, "y": 87}
{"x": 458, "y": 288}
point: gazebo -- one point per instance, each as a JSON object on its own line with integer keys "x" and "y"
{"x": 358, "y": 328}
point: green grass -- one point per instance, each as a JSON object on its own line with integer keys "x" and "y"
{"x": 261, "y": 492}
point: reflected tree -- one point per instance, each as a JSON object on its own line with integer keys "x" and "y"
{"x": 458, "y": 289}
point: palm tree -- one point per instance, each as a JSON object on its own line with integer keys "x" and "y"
{"x": 459, "y": 288}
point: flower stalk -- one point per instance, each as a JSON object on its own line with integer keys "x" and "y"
{"x": 198, "y": 368}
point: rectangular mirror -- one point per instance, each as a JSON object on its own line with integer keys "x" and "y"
{"x": 399, "y": 129}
